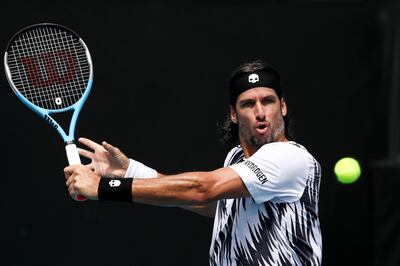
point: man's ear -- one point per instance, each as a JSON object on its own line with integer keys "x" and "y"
{"x": 283, "y": 107}
{"x": 233, "y": 114}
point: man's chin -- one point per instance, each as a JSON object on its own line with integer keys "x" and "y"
{"x": 260, "y": 141}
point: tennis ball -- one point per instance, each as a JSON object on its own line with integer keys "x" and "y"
{"x": 347, "y": 170}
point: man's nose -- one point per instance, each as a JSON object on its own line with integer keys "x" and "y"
{"x": 259, "y": 112}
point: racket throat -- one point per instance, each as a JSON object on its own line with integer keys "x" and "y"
{"x": 62, "y": 122}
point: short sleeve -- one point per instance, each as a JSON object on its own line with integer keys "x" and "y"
{"x": 277, "y": 172}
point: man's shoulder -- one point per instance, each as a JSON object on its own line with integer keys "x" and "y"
{"x": 234, "y": 155}
{"x": 284, "y": 145}
{"x": 284, "y": 150}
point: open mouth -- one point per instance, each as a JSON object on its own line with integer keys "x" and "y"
{"x": 262, "y": 128}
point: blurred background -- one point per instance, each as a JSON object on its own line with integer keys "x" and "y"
{"x": 160, "y": 92}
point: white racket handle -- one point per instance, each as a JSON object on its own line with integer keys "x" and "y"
{"x": 72, "y": 154}
{"x": 73, "y": 158}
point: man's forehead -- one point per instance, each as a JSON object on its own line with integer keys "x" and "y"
{"x": 257, "y": 92}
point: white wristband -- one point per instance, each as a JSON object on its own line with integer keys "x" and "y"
{"x": 139, "y": 170}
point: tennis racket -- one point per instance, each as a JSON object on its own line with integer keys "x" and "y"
{"x": 50, "y": 70}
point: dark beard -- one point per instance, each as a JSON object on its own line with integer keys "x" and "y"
{"x": 259, "y": 142}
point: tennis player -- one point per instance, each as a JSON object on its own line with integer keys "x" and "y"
{"x": 264, "y": 199}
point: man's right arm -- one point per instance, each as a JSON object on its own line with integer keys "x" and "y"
{"x": 207, "y": 210}
{"x": 107, "y": 160}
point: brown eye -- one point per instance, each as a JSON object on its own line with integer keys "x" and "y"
{"x": 246, "y": 104}
{"x": 268, "y": 100}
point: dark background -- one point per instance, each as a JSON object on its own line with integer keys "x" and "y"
{"x": 159, "y": 93}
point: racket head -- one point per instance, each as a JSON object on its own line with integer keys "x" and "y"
{"x": 49, "y": 68}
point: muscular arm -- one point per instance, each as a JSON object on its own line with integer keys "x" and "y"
{"x": 207, "y": 210}
{"x": 107, "y": 160}
{"x": 187, "y": 189}
{"x": 192, "y": 188}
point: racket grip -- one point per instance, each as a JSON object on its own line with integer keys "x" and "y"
{"x": 72, "y": 154}
{"x": 73, "y": 158}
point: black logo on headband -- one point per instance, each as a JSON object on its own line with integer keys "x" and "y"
{"x": 259, "y": 78}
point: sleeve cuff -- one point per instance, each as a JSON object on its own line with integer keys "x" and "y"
{"x": 245, "y": 173}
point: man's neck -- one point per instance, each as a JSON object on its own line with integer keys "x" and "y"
{"x": 249, "y": 150}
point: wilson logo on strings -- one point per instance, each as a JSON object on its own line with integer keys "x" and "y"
{"x": 49, "y": 69}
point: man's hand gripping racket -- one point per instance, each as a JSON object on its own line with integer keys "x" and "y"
{"x": 105, "y": 159}
{"x": 50, "y": 70}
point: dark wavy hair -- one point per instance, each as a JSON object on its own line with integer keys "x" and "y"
{"x": 228, "y": 132}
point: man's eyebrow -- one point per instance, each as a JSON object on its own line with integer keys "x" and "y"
{"x": 246, "y": 100}
{"x": 269, "y": 97}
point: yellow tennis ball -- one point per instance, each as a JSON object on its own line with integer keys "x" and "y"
{"x": 347, "y": 170}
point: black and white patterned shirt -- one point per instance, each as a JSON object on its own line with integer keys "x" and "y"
{"x": 278, "y": 224}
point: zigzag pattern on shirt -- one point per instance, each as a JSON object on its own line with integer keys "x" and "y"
{"x": 248, "y": 233}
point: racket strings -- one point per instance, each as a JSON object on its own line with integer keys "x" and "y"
{"x": 62, "y": 68}
{"x": 49, "y": 67}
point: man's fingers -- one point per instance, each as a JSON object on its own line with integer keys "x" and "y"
{"x": 110, "y": 148}
{"x": 90, "y": 166}
{"x": 71, "y": 185}
{"x": 73, "y": 174}
{"x": 71, "y": 192}
{"x": 69, "y": 181}
{"x": 69, "y": 170}
{"x": 89, "y": 143}
{"x": 86, "y": 153}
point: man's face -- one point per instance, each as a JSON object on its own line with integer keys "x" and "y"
{"x": 259, "y": 115}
